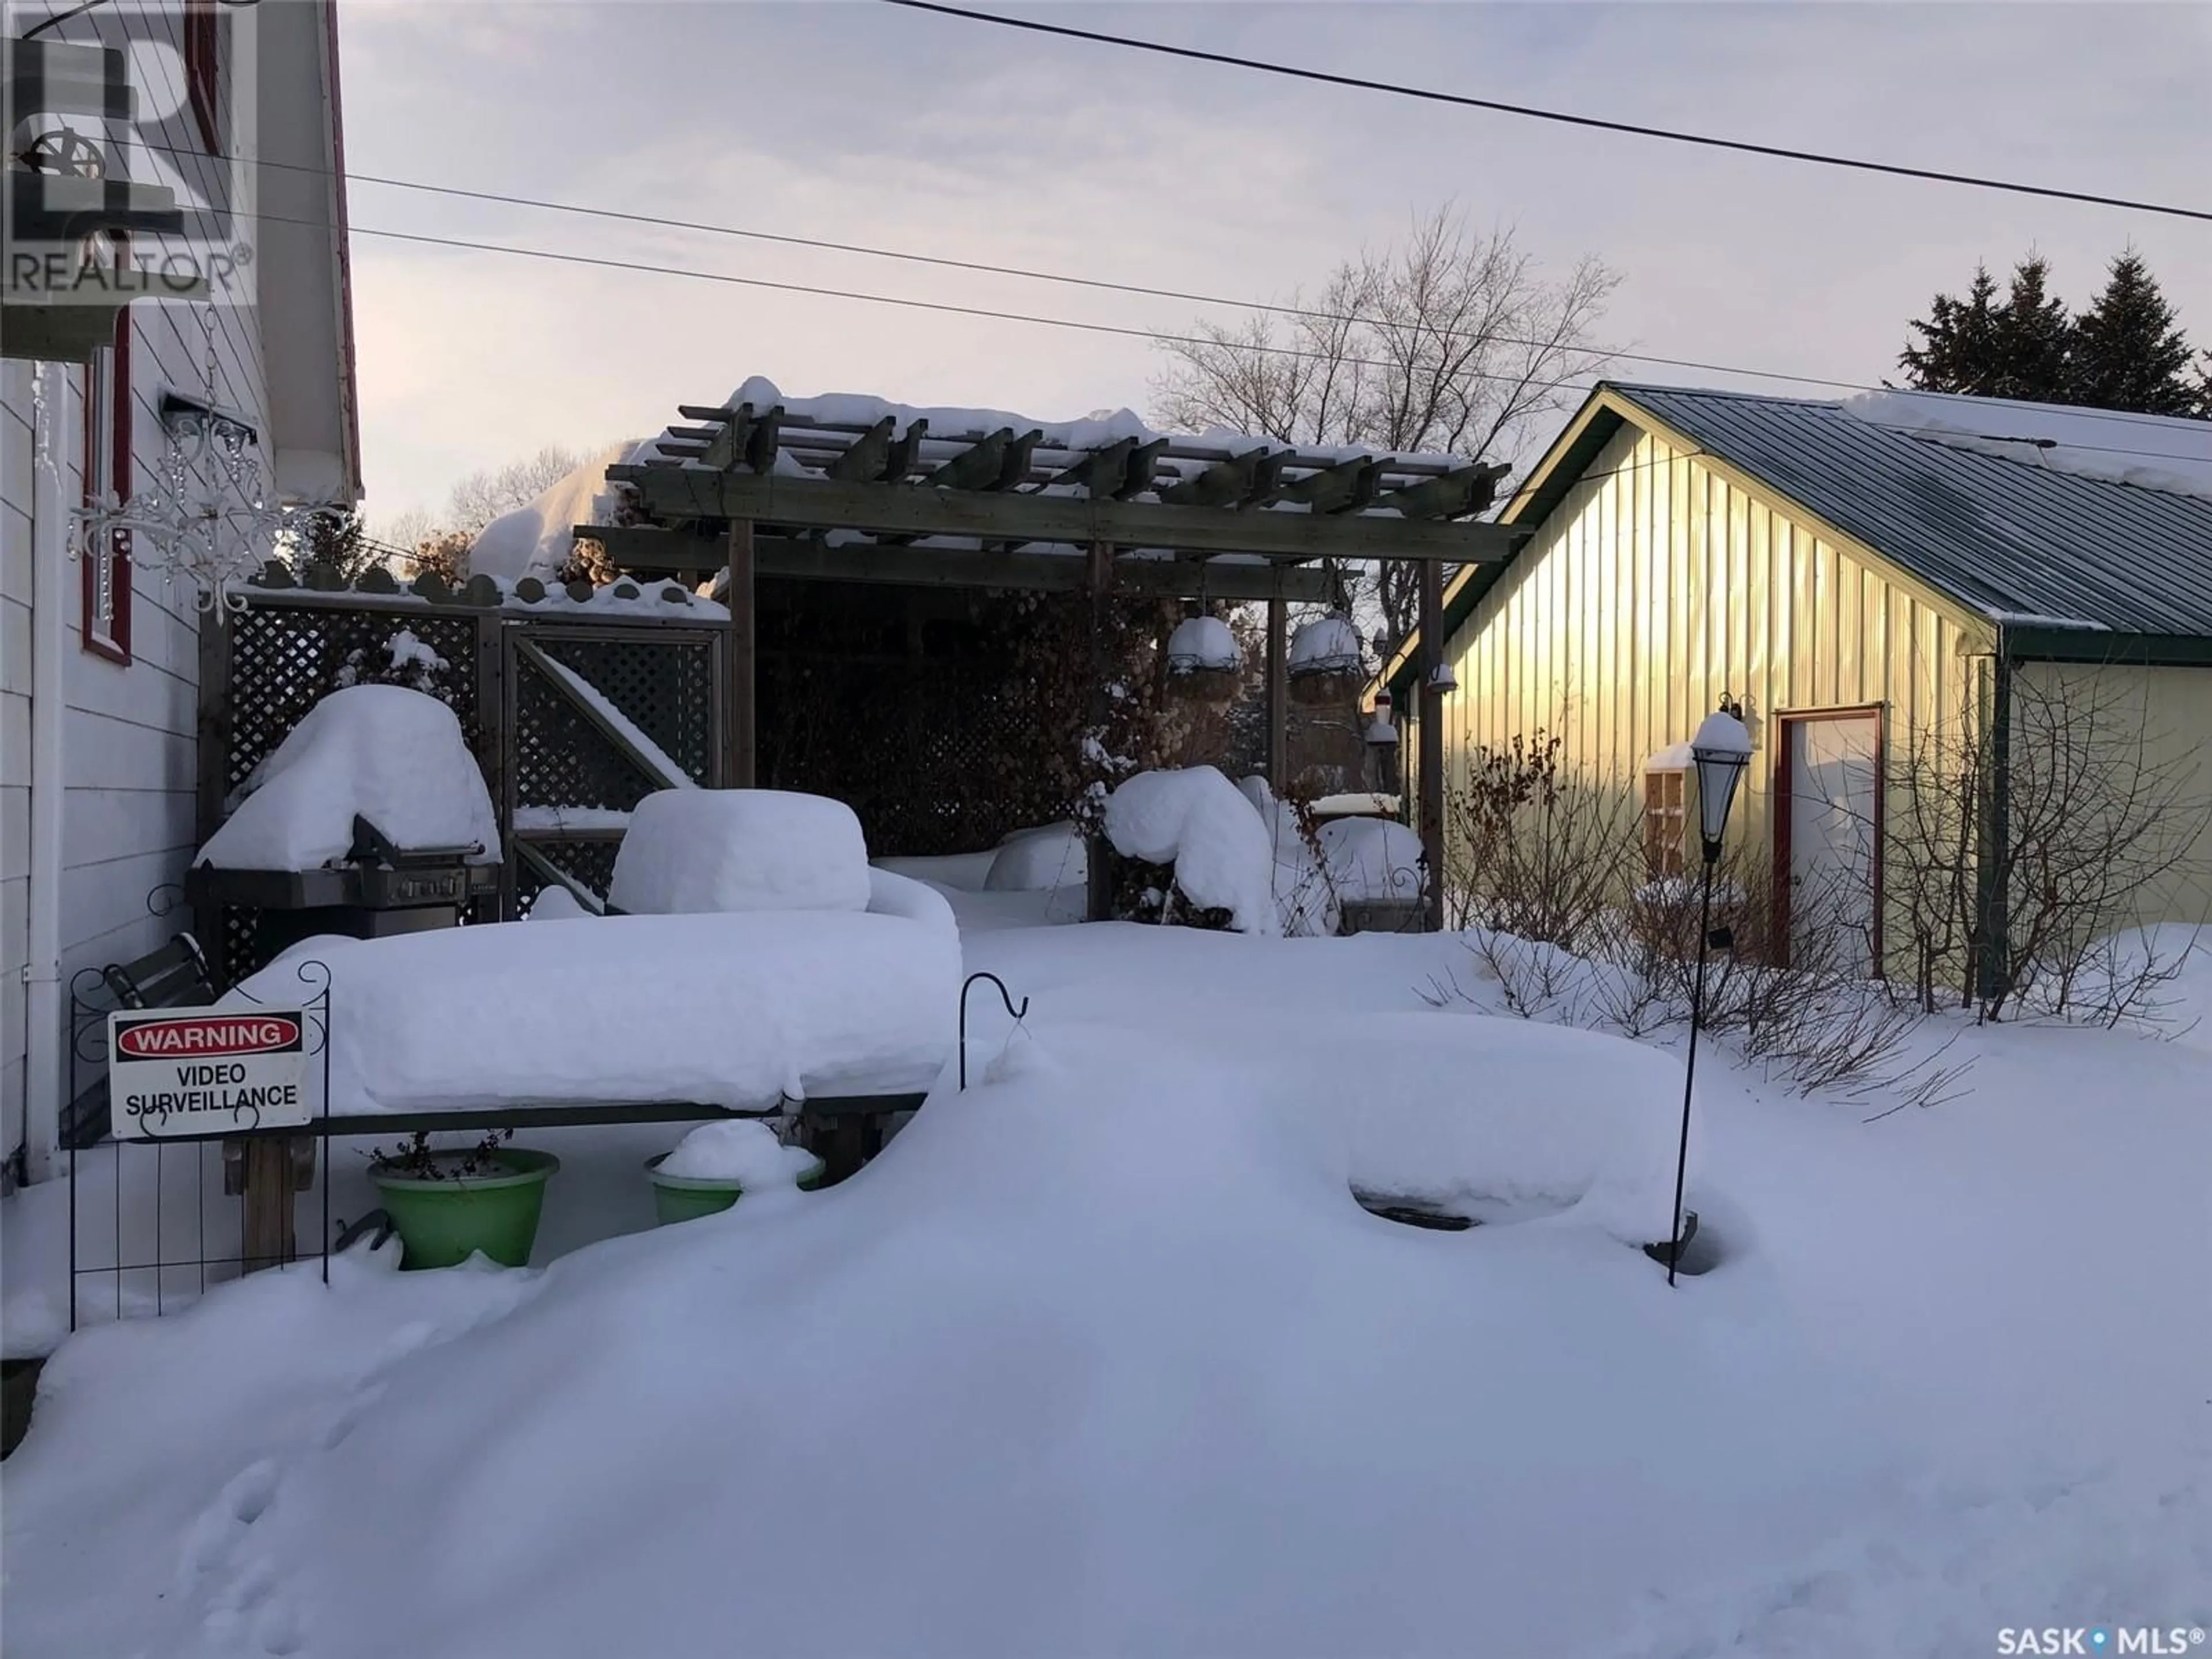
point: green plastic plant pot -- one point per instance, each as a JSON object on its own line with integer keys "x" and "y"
{"x": 686, "y": 1197}
{"x": 442, "y": 1222}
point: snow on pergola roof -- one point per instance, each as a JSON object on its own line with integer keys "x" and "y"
{"x": 861, "y": 489}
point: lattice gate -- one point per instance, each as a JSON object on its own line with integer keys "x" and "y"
{"x": 597, "y": 717}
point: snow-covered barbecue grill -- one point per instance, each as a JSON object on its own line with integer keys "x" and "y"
{"x": 377, "y": 890}
{"x": 371, "y": 818}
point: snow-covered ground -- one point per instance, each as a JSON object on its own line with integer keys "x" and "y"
{"x": 1101, "y": 1358}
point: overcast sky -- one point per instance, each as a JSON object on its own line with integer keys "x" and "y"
{"x": 858, "y": 122}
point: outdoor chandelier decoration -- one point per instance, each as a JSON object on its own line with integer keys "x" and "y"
{"x": 208, "y": 518}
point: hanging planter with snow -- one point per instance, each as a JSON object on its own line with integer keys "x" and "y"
{"x": 1327, "y": 664}
{"x": 1204, "y": 662}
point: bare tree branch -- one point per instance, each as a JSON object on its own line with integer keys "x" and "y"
{"x": 1451, "y": 343}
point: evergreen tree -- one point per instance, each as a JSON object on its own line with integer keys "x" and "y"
{"x": 2034, "y": 339}
{"x": 1958, "y": 349}
{"x": 2128, "y": 353}
{"x": 337, "y": 539}
{"x": 1984, "y": 347}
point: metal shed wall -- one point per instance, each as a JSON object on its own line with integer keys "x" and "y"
{"x": 2153, "y": 720}
{"x": 1661, "y": 580}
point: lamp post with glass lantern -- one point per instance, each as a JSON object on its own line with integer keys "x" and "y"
{"x": 1720, "y": 752}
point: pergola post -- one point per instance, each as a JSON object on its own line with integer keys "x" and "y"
{"x": 740, "y": 736}
{"x": 1431, "y": 730}
{"x": 1278, "y": 701}
{"x": 1097, "y": 594}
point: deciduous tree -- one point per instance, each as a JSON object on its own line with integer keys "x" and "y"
{"x": 1453, "y": 341}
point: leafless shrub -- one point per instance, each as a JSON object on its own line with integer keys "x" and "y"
{"x": 1560, "y": 934}
{"x": 1534, "y": 849}
{"x": 2098, "y": 809}
{"x": 2121, "y": 978}
{"x": 1538, "y": 981}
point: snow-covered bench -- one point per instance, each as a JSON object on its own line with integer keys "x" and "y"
{"x": 758, "y": 964}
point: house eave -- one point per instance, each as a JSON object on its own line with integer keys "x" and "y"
{"x": 2103, "y": 648}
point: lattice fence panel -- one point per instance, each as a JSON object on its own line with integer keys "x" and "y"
{"x": 286, "y": 659}
{"x": 935, "y": 755}
{"x": 238, "y": 949}
{"x": 591, "y": 863}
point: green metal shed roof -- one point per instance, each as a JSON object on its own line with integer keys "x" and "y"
{"x": 2030, "y": 547}
{"x": 2010, "y": 538}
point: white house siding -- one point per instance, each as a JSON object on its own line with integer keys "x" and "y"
{"x": 129, "y": 741}
{"x": 1657, "y": 584}
{"x": 15, "y": 738}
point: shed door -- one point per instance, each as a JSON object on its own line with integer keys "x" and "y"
{"x": 1834, "y": 827}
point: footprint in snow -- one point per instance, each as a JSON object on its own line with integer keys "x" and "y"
{"x": 247, "y": 1591}
{"x": 348, "y": 1416}
{"x": 250, "y": 1490}
{"x": 239, "y": 1505}
{"x": 278, "y": 1631}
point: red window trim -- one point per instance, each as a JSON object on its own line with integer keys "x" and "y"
{"x": 202, "y": 70}
{"x": 114, "y": 643}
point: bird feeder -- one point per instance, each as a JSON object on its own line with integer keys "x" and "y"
{"x": 1327, "y": 663}
{"x": 1381, "y": 739}
{"x": 1382, "y": 731}
{"x": 1204, "y": 662}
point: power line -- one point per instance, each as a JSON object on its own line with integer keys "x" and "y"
{"x": 1565, "y": 117}
{"x": 1069, "y": 279}
{"x": 1578, "y": 381}
{"x": 1611, "y": 354}
{"x": 946, "y": 307}
{"x": 59, "y": 18}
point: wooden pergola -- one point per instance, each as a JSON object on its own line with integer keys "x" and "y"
{"x": 775, "y": 492}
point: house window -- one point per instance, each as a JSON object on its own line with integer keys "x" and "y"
{"x": 107, "y": 410}
{"x": 1665, "y": 821}
{"x": 202, "y": 70}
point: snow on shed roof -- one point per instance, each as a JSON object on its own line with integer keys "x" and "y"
{"x": 2154, "y": 452}
{"x": 2015, "y": 530}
